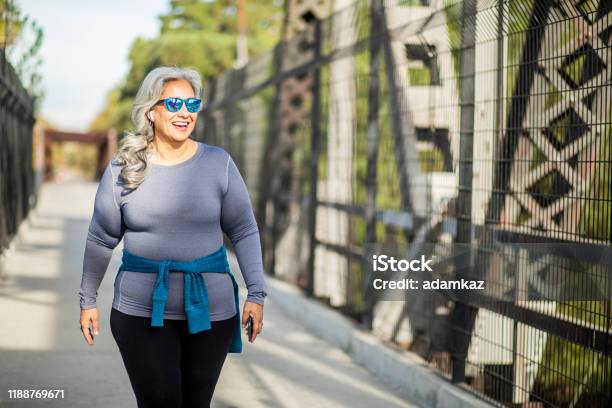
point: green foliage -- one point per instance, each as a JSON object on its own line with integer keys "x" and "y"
{"x": 75, "y": 157}
{"x": 563, "y": 360}
{"x": 517, "y": 24}
{"x": 595, "y": 220}
{"x": 117, "y": 110}
{"x": 264, "y": 20}
{"x": 360, "y": 164}
{"x": 537, "y": 157}
{"x": 452, "y": 11}
{"x": 388, "y": 195}
{"x": 553, "y": 96}
{"x": 431, "y": 160}
{"x": 194, "y": 33}
{"x": 22, "y": 38}
{"x": 16, "y": 20}
{"x": 419, "y": 76}
{"x": 325, "y": 80}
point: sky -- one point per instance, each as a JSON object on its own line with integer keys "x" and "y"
{"x": 85, "y": 52}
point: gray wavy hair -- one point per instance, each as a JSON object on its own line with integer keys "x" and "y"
{"x": 133, "y": 153}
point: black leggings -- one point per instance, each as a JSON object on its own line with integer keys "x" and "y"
{"x": 167, "y": 366}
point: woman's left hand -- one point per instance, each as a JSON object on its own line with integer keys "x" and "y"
{"x": 255, "y": 310}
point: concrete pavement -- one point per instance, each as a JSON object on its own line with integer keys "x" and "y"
{"x": 41, "y": 346}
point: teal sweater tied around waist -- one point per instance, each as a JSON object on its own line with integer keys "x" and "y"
{"x": 196, "y": 295}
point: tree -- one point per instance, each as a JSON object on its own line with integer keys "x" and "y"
{"x": 195, "y": 33}
{"x": 22, "y": 37}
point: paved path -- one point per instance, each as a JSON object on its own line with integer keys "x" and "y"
{"x": 41, "y": 346}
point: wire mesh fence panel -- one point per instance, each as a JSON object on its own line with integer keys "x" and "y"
{"x": 477, "y": 131}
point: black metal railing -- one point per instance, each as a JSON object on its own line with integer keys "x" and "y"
{"x": 17, "y": 183}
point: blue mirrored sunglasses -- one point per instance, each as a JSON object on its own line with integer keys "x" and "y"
{"x": 175, "y": 104}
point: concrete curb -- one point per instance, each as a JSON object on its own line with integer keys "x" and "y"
{"x": 406, "y": 372}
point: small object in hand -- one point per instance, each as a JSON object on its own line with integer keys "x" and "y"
{"x": 250, "y": 328}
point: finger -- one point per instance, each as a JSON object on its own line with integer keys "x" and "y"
{"x": 257, "y": 326}
{"x": 246, "y": 332}
{"x": 249, "y": 339}
{"x": 95, "y": 324}
{"x": 85, "y": 331}
{"x": 252, "y": 336}
{"x": 245, "y": 318}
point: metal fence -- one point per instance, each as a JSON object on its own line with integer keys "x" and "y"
{"x": 437, "y": 124}
{"x": 17, "y": 183}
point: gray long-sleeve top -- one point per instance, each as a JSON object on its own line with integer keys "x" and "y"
{"x": 178, "y": 212}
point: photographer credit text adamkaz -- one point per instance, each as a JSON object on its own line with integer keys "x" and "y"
{"x": 385, "y": 263}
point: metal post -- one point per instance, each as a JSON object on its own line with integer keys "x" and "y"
{"x": 266, "y": 200}
{"x": 373, "y": 133}
{"x": 314, "y": 159}
{"x": 402, "y": 128}
{"x": 464, "y": 315}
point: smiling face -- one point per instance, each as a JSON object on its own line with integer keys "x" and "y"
{"x": 175, "y": 126}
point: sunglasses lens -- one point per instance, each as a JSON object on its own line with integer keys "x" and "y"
{"x": 174, "y": 104}
{"x": 193, "y": 104}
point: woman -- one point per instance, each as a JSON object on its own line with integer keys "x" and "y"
{"x": 175, "y": 312}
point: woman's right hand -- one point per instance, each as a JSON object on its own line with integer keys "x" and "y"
{"x": 89, "y": 317}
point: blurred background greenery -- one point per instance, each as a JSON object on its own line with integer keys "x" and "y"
{"x": 199, "y": 34}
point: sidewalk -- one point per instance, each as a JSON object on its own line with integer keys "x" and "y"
{"x": 41, "y": 346}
